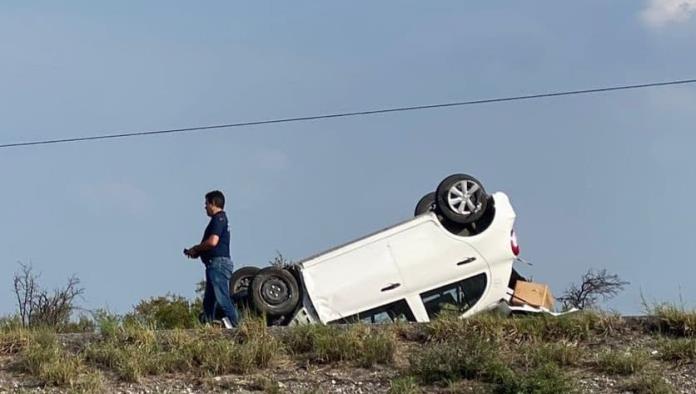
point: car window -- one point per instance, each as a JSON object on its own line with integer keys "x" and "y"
{"x": 395, "y": 311}
{"x": 457, "y": 297}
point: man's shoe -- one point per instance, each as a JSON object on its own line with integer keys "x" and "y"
{"x": 227, "y": 323}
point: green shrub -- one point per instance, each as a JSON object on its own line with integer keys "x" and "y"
{"x": 622, "y": 363}
{"x": 167, "y": 312}
{"x": 107, "y": 323}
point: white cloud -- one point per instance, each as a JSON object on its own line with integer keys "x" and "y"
{"x": 117, "y": 197}
{"x": 271, "y": 159}
{"x": 661, "y": 12}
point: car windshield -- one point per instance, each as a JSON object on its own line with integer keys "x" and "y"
{"x": 457, "y": 297}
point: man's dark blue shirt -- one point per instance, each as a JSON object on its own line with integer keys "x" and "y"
{"x": 218, "y": 226}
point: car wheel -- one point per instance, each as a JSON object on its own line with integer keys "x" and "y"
{"x": 240, "y": 282}
{"x": 461, "y": 198}
{"x": 426, "y": 204}
{"x": 274, "y": 292}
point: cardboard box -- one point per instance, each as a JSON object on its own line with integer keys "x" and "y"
{"x": 533, "y": 294}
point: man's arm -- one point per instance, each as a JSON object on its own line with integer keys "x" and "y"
{"x": 208, "y": 244}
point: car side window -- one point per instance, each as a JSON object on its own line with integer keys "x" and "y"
{"x": 395, "y": 311}
{"x": 456, "y": 297}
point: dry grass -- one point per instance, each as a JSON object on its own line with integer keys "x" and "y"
{"x": 678, "y": 349}
{"x": 134, "y": 351}
{"x": 404, "y": 385}
{"x": 45, "y": 359}
{"x": 650, "y": 383}
{"x": 531, "y": 354}
{"x": 543, "y": 328}
{"x": 358, "y": 343}
{"x": 13, "y": 340}
{"x": 622, "y": 362}
{"x": 474, "y": 358}
{"x": 560, "y": 353}
{"x": 674, "y": 320}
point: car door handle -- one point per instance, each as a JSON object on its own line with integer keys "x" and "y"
{"x": 467, "y": 260}
{"x": 391, "y": 286}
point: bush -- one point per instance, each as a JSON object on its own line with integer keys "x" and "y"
{"x": 39, "y": 308}
{"x": 167, "y": 312}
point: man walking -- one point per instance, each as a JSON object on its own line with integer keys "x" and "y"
{"x": 214, "y": 252}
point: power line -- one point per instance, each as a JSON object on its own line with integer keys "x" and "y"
{"x": 346, "y": 114}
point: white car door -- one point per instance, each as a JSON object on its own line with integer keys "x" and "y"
{"x": 429, "y": 256}
{"x": 353, "y": 279}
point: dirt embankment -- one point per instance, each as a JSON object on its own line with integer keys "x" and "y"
{"x": 585, "y": 353}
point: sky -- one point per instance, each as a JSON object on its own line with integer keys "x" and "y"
{"x": 597, "y": 181}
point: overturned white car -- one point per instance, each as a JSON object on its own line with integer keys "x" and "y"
{"x": 456, "y": 253}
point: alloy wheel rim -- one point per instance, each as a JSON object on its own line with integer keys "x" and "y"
{"x": 462, "y": 197}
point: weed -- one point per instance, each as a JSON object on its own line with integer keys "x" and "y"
{"x": 463, "y": 358}
{"x": 134, "y": 351}
{"x": 266, "y": 385}
{"x": 13, "y": 339}
{"x": 621, "y": 363}
{"x": 404, "y": 385}
{"x": 649, "y": 384}
{"x": 679, "y": 349}
{"x": 545, "y": 379}
{"x": 50, "y": 363}
{"x": 572, "y": 327}
{"x": 673, "y": 320}
{"x": 560, "y": 353}
{"x": 358, "y": 343}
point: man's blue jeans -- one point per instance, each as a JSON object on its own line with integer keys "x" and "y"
{"x": 218, "y": 272}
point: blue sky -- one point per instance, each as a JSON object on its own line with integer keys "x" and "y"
{"x": 601, "y": 181}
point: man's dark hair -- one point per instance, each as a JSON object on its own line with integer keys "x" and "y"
{"x": 216, "y": 198}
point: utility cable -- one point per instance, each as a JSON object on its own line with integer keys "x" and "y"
{"x": 345, "y": 114}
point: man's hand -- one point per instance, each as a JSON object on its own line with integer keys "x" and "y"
{"x": 191, "y": 252}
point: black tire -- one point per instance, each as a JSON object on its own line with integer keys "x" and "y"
{"x": 240, "y": 282}
{"x": 461, "y": 212}
{"x": 425, "y": 204}
{"x": 274, "y": 292}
